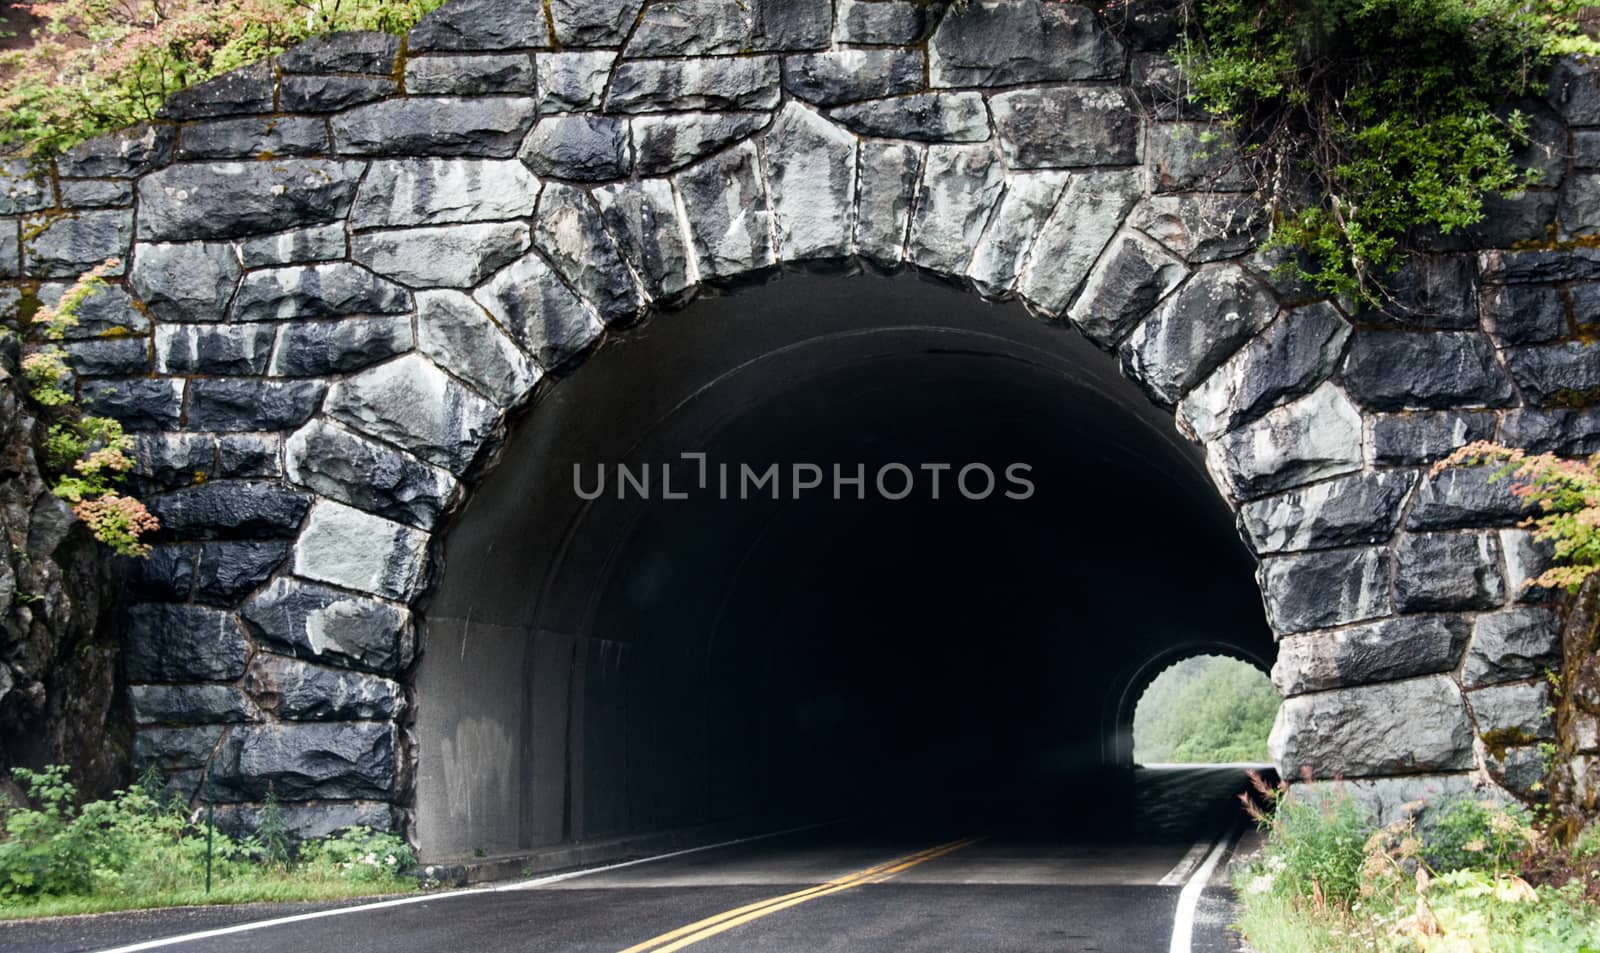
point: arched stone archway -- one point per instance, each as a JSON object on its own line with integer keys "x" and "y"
{"x": 346, "y": 266}
{"x": 1123, "y": 698}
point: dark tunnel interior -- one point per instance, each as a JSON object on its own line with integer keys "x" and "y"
{"x": 601, "y": 667}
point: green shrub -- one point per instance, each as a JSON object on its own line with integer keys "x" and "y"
{"x": 1315, "y": 847}
{"x": 359, "y": 855}
{"x": 1465, "y": 833}
{"x": 1367, "y": 121}
{"x": 1439, "y": 880}
{"x": 98, "y": 65}
{"x": 139, "y": 849}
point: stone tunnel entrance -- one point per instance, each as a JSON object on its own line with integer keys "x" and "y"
{"x": 595, "y": 668}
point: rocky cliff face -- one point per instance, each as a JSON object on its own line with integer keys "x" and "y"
{"x": 1575, "y": 773}
{"x": 59, "y": 697}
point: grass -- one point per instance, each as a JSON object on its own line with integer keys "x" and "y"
{"x": 1273, "y": 923}
{"x": 249, "y": 889}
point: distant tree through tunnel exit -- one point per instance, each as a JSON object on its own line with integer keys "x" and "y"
{"x": 1206, "y": 709}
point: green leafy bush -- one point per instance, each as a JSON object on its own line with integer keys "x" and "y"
{"x": 139, "y": 849}
{"x": 1367, "y": 121}
{"x": 98, "y": 65}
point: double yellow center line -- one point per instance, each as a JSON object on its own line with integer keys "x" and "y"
{"x": 728, "y": 919}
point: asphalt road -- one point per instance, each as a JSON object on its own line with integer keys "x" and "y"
{"x": 1016, "y": 885}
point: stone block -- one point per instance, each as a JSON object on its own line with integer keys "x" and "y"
{"x": 1448, "y": 571}
{"x": 845, "y": 76}
{"x": 231, "y": 509}
{"x": 1199, "y": 327}
{"x": 457, "y": 333}
{"x": 342, "y": 465}
{"x": 643, "y": 219}
{"x": 412, "y": 404}
{"x": 1323, "y": 589}
{"x": 570, "y": 232}
{"x": 579, "y": 146}
{"x": 1127, "y": 283}
{"x": 667, "y": 143}
{"x": 331, "y": 626}
{"x": 481, "y": 25}
{"x": 167, "y": 642}
{"x": 927, "y": 117}
{"x": 1383, "y": 651}
{"x": 1066, "y": 127}
{"x": 541, "y": 313}
{"x": 489, "y": 127}
{"x": 960, "y": 186}
{"x": 439, "y": 191}
{"x": 729, "y": 217}
{"x": 303, "y": 761}
{"x": 231, "y": 199}
{"x": 1286, "y": 360}
{"x": 445, "y": 256}
{"x": 328, "y": 290}
{"x": 811, "y": 172}
{"x": 510, "y": 73}
{"x": 226, "y": 572}
{"x": 300, "y": 691}
{"x": 992, "y": 43}
{"x": 355, "y": 550}
{"x": 1414, "y": 438}
{"x": 244, "y": 404}
{"x": 1357, "y": 510}
{"x": 745, "y": 82}
{"x": 123, "y": 154}
{"x": 65, "y": 246}
{"x": 1394, "y": 728}
{"x": 1398, "y": 370}
{"x": 1511, "y": 645}
{"x": 254, "y": 137}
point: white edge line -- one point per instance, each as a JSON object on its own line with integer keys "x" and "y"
{"x": 1183, "y": 921}
{"x": 1180, "y": 871}
{"x": 442, "y": 895}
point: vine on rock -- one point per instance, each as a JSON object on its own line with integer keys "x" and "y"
{"x": 1567, "y": 493}
{"x": 1373, "y": 126}
{"x": 87, "y": 455}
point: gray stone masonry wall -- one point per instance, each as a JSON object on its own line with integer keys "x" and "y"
{"x": 343, "y": 266}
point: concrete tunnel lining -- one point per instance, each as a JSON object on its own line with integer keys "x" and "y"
{"x": 538, "y": 722}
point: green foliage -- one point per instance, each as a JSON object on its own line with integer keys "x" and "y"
{"x": 358, "y": 855}
{"x": 98, "y": 65}
{"x": 1468, "y": 834}
{"x": 1327, "y": 879}
{"x": 272, "y": 832}
{"x": 85, "y": 455}
{"x": 1367, "y": 121}
{"x": 1567, "y": 494}
{"x": 1205, "y": 710}
{"x": 1315, "y": 846}
{"x": 138, "y": 849}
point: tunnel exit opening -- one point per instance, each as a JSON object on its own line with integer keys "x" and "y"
{"x": 826, "y": 547}
{"x": 1205, "y": 709}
